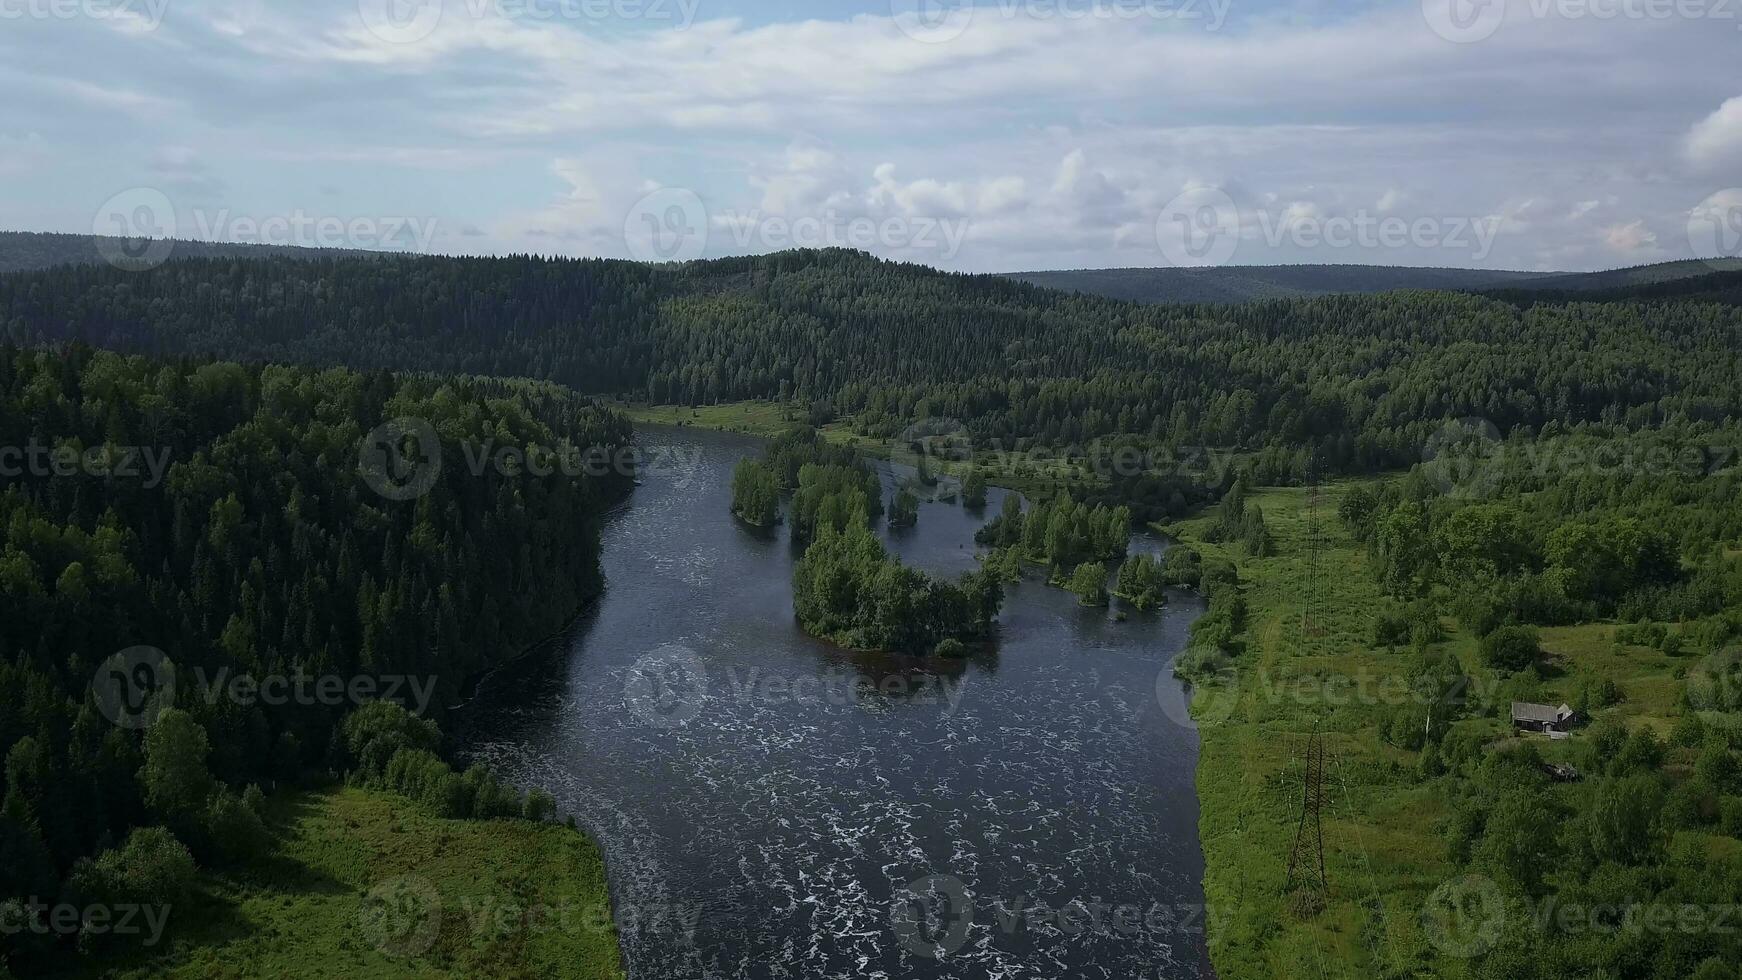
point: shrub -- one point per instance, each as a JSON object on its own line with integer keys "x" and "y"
{"x": 234, "y": 829}
{"x": 152, "y": 868}
{"x": 1390, "y": 629}
{"x": 376, "y": 732}
{"x": 539, "y": 806}
{"x": 1511, "y": 648}
{"x": 1730, "y": 816}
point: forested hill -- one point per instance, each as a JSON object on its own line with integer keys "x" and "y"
{"x": 1362, "y": 380}
{"x": 1240, "y": 284}
{"x": 223, "y": 525}
{"x": 23, "y": 251}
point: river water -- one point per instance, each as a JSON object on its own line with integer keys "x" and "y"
{"x": 771, "y": 806}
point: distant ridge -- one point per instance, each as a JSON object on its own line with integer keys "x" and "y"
{"x": 1239, "y": 284}
{"x": 26, "y": 251}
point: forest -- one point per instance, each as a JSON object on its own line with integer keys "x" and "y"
{"x": 1353, "y": 383}
{"x": 267, "y": 552}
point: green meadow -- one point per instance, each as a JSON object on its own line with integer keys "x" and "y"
{"x": 364, "y": 884}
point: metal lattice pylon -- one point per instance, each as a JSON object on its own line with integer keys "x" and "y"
{"x": 1306, "y": 863}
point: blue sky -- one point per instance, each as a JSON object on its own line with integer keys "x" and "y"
{"x": 1016, "y": 134}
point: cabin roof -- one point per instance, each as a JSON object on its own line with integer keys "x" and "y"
{"x": 1526, "y": 711}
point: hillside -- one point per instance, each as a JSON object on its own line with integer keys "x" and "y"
{"x": 1240, "y": 284}
{"x": 24, "y": 251}
{"x": 1360, "y": 381}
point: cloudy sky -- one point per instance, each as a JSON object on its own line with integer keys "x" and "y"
{"x": 1013, "y": 134}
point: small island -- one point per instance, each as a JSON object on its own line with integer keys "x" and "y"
{"x": 847, "y": 588}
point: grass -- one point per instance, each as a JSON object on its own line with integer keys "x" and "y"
{"x": 756, "y": 418}
{"x": 1385, "y": 852}
{"x": 1382, "y": 855}
{"x": 1032, "y": 474}
{"x": 314, "y": 908}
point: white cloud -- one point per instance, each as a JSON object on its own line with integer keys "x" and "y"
{"x": 1058, "y": 139}
{"x": 1717, "y": 139}
{"x": 1631, "y": 237}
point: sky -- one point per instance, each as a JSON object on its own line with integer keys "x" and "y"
{"x": 1000, "y": 136}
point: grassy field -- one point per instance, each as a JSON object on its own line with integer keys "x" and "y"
{"x": 756, "y": 418}
{"x": 365, "y": 885}
{"x": 1382, "y": 855}
{"x": 1032, "y": 474}
{"x": 1385, "y": 850}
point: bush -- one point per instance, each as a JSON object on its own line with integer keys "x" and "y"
{"x": 376, "y": 732}
{"x": 1689, "y": 806}
{"x": 234, "y": 829}
{"x": 1390, "y": 629}
{"x": 951, "y": 647}
{"x": 1643, "y": 754}
{"x": 152, "y": 868}
{"x": 1202, "y": 663}
{"x": 1408, "y": 729}
{"x": 539, "y": 806}
{"x": 1730, "y": 816}
{"x": 1511, "y": 648}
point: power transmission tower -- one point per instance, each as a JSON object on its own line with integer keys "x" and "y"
{"x": 1306, "y": 863}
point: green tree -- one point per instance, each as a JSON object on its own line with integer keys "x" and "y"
{"x": 1511, "y": 648}
{"x": 175, "y": 778}
{"x": 755, "y": 493}
{"x": 1089, "y": 583}
{"x": 904, "y": 509}
{"x": 974, "y": 490}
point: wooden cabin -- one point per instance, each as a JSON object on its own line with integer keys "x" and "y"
{"x": 1529, "y": 717}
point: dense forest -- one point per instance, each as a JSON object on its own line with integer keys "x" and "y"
{"x": 1358, "y": 383}
{"x": 230, "y": 517}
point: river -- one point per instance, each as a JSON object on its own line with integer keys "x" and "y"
{"x": 770, "y": 805}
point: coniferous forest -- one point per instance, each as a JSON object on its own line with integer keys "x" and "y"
{"x": 221, "y": 517}
{"x": 1351, "y": 383}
